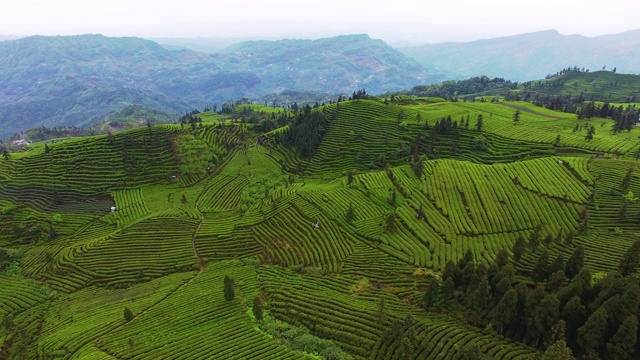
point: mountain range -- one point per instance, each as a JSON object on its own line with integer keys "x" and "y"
{"x": 530, "y": 56}
{"x": 78, "y": 80}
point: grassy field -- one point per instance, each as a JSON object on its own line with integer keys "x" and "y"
{"x": 340, "y": 246}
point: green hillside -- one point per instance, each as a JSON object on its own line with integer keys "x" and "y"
{"x": 570, "y": 85}
{"x": 367, "y": 229}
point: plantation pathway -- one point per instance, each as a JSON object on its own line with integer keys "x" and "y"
{"x": 202, "y": 265}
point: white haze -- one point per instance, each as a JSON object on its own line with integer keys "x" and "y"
{"x": 412, "y": 21}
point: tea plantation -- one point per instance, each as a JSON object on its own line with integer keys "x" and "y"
{"x": 362, "y": 229}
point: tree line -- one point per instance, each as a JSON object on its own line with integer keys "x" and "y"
{"x": 564, "y": 307}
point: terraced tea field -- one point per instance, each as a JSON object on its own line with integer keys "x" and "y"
{"x": 117, "y": 247}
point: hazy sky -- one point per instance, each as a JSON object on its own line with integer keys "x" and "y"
{"x": 391, "y": 20}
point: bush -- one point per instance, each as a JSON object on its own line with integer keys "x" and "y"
{"x": 128, "y": 314}
{"x": 229, "y": 292}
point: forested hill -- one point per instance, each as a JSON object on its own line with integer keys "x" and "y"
{"x": 531, "y": 56}
{"x": 335, "y": 64}
{"x": 72, "y": 80}
{"x": 577, "y": 85}
{"x": 76, "y": 80}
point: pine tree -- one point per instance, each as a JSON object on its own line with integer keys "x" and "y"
{"x": 631, "y": 260}
{"x": 433, "y": 294}
{"x": 558, "y": 264}
{"x": 229, "y": 292}
{"x": 505, "y": 311}
{"x": 540, "y": 270}
{"x": 547, "y": 314}
{"x": 350, "y": 215}
{"x": 479, "y": 123}
{"x": 558, "y": 351}
{"x": 534, "y": 237}
{"x": 257, "y": 308}
{"x": 622, "y": 344}
{"x": 533, "y": 300}
{"x": 519, "y": 248}
{"x": 591, "y": 335}
{"x": 516, "y": 117}
{"x": 128, "y": 314}
{"x": 349, "y": 177}
{"x": 590, "y": 132}
{"x": 575, "y": 262}
{"x": 626, "y": 181}
{"x": 391, "y": 222}
{"x": 478, "y": 301}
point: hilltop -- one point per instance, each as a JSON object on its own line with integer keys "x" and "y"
{"x": 530, "y": 56}
{"x": 375, "y": 228}
{"x": 576, "y": 84}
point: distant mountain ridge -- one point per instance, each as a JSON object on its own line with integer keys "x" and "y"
{"x": 333, "y": 64}
{"x": 530, "y": 56}
{"x": 76, "y": 80}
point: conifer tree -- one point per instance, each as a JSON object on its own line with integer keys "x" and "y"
{"x": 505, "y": 311}
{"x": 128, "y": 314}
{"x": 516, "y": 117}
{"x": 631, "y": 259}
{"x": 540, "y": 270}
{"x": 350, "y": 215}
{"x": 433, "y": 294}
{"x": 479, "y": 123}
{"x": 229, "y": 292}
{"x": 622, "y": 344}
{"x": 257, "y": 308}
{"x": 591, "y": 335}
{"x": 478, "y": 301}
{"x": 626, "y": 181}
{"x": 519, "y": 248}
{"x": 575, "y": 262}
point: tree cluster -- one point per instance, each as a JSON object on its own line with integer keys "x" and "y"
{"x": 305, "y": 132}
{"x": 587, "y": 318}
{"x": 191, "y": 118}
{"x": 452, "y": 89}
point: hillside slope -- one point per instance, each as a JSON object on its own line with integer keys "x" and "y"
{"x": 406, "y": 231}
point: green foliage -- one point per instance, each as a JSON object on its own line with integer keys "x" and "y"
{"x": 631, "y": 259}
{"x": 194, "y": 155}
{"x": 433, "y": 294}
{"x": 128, "y": 314}
{"x": 516, "y": 116}
{"x": 541, "y": 269}
{"x": 506, "y": 310}
{"x": 592, "y": 334}
{"x": 229, "y": 291}
{"x": 575, "y": 262}
{"x": 257, "y": 308}
{"x": 350, "y": 215}
{"x": 558, "y": 351}
{"x": 317, "y": 251}
{"x": 299, "y": 338}
{"x": 623, "y": 344}
{"x": 306, "y": 132}
{"x": 519, "y": 248}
